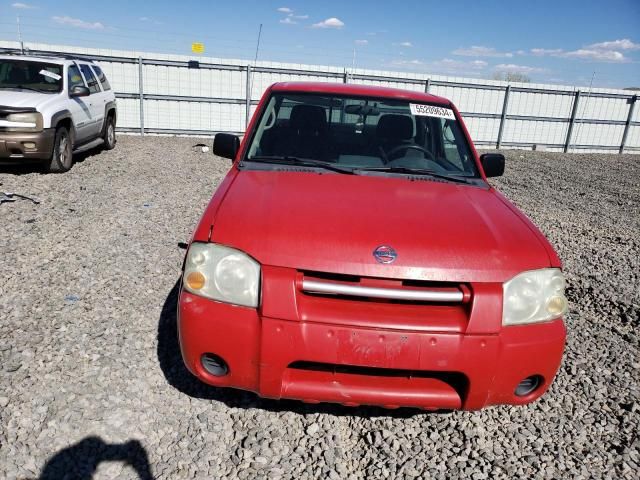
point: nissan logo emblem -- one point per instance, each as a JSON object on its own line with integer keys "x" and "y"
{"x": 385, "y": 254}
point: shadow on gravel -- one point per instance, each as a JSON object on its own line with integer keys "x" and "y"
{"x": 36, "y": 167}
{"x": 80, "y": 461}
{"x": 179, "y": 377}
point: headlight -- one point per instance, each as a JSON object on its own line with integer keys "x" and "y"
{"x": 534, "y": 296}
{"x": 23, "y": 122}
{"x": 222, "y": 273}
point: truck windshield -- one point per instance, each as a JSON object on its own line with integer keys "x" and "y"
{"x": 30, "y": 75}
{"x": 362, "y": 133}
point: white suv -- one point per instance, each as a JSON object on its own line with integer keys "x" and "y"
{"x": 51, "y": 108}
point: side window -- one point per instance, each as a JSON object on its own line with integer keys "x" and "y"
{"x": 92, "y": 82}
{"x": 102, "y": 77}
{"x": 74, "y": 78}
{"x": 452, "y": 139}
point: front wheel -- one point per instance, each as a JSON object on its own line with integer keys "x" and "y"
{"x": 62, "y": 155}
{"x": 110, "y": 134}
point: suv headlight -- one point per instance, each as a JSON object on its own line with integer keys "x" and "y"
{"x": 24, "y": 122}
{"x": 222, "y": 273}
{"x": 534, "y": 296}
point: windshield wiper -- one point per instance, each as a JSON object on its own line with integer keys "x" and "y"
{"x": 22, "y": 87}
{"x": 302, "y": 162}
{"x": 415, "y": 171}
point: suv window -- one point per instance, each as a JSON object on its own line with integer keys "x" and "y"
{"x": 74, "y": 78}
{"x": 102, "y": 77}
{"x": 92, "y": 82}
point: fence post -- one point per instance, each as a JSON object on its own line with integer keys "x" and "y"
{"x": 427, "y": 85}
{"x": 345, "y": 77}
{"x": 572, "y": 120}
{"x": 247, "y": 106}
{"x": 503, "y": 117}
{"x": 632, "y": 106}
{"x": 141, "y": 96}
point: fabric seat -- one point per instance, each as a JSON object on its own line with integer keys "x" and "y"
{"x": 308, "y": 133}
{"x": 394, "y": 130}
{"x": 17, "y": 76}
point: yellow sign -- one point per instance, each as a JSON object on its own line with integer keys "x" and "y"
{"x": 197, "y": 47}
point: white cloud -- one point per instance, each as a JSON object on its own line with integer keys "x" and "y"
{"x": 76, "y": 22}
{"x": 540, "y": 52}
{"x": 524, "y": 69}
{"x": 445, "y": 66}
{"x": 361, "y": 42}
{"x": 479, "y": 64}
{"x": 599, "y": 52}
{"x": 449, "y": 65}
{"x": 597, "y": 55}
{"x": 403, "y": 44}
{"x": 23, "y": 6}
{"x": 623, "y": 44}
{"x": 479, "y": 51}
{"x": 408, "y": 63}
{"x": 332, "y": 22}
{"x": 151, "y": 20}
{"x": 285, "y": 10}
{"x": 288, "y": 21}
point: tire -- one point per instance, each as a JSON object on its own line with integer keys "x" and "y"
{"x": 62, "y": 156}
{"x": 109, "y": 134}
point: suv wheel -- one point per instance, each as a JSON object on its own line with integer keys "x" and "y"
{"x": 62, "y": 155}
{"x": 110, "y": 134}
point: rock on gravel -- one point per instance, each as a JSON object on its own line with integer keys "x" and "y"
{"x": 92, "y": 381}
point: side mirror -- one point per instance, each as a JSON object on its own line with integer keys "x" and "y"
{"x": 226, "y": 145}
{"x": 492, "y": 164}
{"x": 79, "y": 91}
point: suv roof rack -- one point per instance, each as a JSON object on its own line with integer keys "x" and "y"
{"x": 44, "y": 53}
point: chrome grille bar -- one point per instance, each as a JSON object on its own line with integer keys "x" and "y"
{"x": 333, "y": 288}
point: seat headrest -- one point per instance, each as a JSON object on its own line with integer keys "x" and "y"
{"x": 17, "y": 75}
{"x": 308, "y": 118}
{"x": 395, "y": 127}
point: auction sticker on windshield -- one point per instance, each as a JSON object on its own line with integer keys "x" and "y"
{"x": 49, "y": 74}
{"x": 431, "y": 111}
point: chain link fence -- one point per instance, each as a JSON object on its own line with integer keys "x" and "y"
{"x": 177, "y": 94}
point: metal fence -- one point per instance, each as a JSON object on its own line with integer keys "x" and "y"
{"x": 172, "y": 94}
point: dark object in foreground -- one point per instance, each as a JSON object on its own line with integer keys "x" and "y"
{"x": 80, "y": 461}
{"x": 12, "y": 197}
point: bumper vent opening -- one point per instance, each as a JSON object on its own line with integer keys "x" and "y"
{"x": 457, "y": 380}
{"x": 387, "y": 387}
{"x": 214, "y": 364}
{"x": 528, "y": 385}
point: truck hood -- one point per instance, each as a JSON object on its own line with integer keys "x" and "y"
{"x": 26, "y": 98}
{"x": 329, "y": 222}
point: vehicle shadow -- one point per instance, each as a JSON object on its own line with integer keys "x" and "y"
{"x": 80, "y": 461}
{"x": 37, "y": 167}
{"x": 174, "y": 370}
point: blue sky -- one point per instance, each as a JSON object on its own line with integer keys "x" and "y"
{"x": 549, "y": 41}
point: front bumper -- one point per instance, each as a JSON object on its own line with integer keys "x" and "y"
{"x": 352, "y": 365}
{"x": 14, "y": 146}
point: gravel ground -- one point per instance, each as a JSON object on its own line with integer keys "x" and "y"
{"x": 91, "y": 377}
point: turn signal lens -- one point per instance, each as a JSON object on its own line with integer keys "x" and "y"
{"x": 195, "y": 280}
{"x": 557, "y": 305}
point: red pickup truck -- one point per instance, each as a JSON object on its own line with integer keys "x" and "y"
{"x": 355, "y": 253}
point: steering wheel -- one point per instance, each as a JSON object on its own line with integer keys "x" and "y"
{"x": 427, "y": 154}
